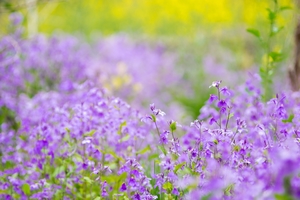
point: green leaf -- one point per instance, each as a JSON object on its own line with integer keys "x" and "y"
{"x": 90, "y": 133}
{"x": 177, "y": 167}
{"x": 123, "y": 176}
{"x": 26, "y": 189}
{"x": 185, "y": 171}
{"x": 236, "y": 148}
{"x": 287, "y": 185}
{"x": 157, "y": 162}
{"x": 121, "y": 127}
{"x": 111, "y": 152}
{"x": 144, "y": 150}
{"x": 276, "y": 30}
{"x": 7, "y": 165}
{"x": 254, "y": 32}
{"x": 9, "y": 7}
{"x": 228, "y": 190}
{"x": 289, "y": 120}
{"x": 206, "y": 197}
{"x": 271, "y": 15}
{"x": 24, "y": 137}
{"x": 58, "y": 170}
{"x": 167, "y": 186}
{"x": 283, "y": 197}
{"x": 78, "y": 157}
{"x": 173, "y": 126}
{"x": 282, "y": 8}
{"x": 153, "y": 156}
{"x": 125, "y": 138}
{"x": 97, "y": 198}
{"x": 162, "y": 148}
{"x": 4, "y": 191}
{"x": 276, "y": 57}
{"x": 68, "y": 130}
{"x": 153, "y": 118}
{"x": 88, "y": 180}
{"x": 175, "y": 156}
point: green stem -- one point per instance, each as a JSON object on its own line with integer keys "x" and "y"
{"x": 227, "y": 120}
{"x": 220, "y": 114}
{"x": 157, "y": 130}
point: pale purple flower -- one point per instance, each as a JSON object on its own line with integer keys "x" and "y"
{"x": 215, "y": 84}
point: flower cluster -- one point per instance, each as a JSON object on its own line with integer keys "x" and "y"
{"x": 60, "y": 63}
{"x": 70, "y": 139}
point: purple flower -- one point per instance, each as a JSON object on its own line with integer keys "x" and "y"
{"x": 175, "y": 191}
{"x": 132, "y": 182}
{"x": 40, "y": 144}
{"x": 212, "y": 98}
{"x": 212, "y": 120}
{"x": 225, "y": 91}
{"x": 136, "y": 197}
{"x": 164, "y": 137}
{"x": 222, "y": 103}
{"x": 194, "y": 153}
{"x": 123, "y": 187}
{"x": 123, "y": 169}
{"x": 136, "y": 173}
{"x": 16, "y": 18}
{"x": 241, "y": 123}
{"x": 104, "y": 193}
{"x": 152, "y": 106}
{"x": 223, "y": 110}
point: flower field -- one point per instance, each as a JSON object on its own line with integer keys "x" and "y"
{"x": 107, "y": 119}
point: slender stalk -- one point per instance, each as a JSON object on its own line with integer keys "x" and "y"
{"x": 157, "y": 130}
{"x": 172, "y": 132}
{"x": 275, "y": 130}
{"x": 236, "y": 131}
{"x": 227, "y": 120}
{"x": 220, "y": 114}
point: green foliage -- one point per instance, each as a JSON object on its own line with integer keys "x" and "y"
{"x": 90, "y": 133}
{"x": 8, "y": 5}
{"x": 173, "y": 126}
{"x": 144, "y": 150}
{"x": 8, "y": 116}
{"x": 122, "y": 125}
{"x": 125, "y": 138}
{"x": 206, "y": 197}
{"x": 179, "y": 166}
{"x": 287, "y": 190}
{"x": 229, "y": 189}
{"x": 283, "y": 197}
{"x": 289, "y": 120}
{"x": 162, "y": 149}
{"x": 26, "y": 189}
{"x": 153, "y": 117}
{"x": 272, "y": 56}
{"x": 7, "y": 165}
{"x": 254, "y": 32}
{"x": 168, "y": 186}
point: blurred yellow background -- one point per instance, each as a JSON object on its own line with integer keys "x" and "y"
{"x": 150, "y": 17}
{"x": 153, "y": 17}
